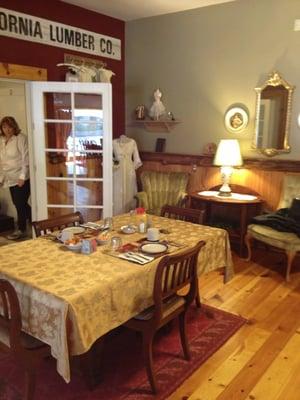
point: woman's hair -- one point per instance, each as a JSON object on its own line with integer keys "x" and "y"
{"x": 10, "y": 121}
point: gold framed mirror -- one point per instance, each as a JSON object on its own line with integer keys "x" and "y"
{"x": 273, "y": 114}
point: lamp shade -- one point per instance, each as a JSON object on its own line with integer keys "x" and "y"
{"x": 228, "y": 153}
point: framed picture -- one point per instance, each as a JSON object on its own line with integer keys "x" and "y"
{"x": 236, "y": 119}
{"x": 160, "y": 145}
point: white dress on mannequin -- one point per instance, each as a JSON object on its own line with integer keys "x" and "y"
{"x": 124, "y": 177}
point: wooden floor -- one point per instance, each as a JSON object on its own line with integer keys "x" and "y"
{"x": 262, "y": 360}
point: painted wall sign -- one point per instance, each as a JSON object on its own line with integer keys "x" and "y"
{"x": 27, "y": 27}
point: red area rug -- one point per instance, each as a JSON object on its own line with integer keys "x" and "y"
{"x": 123, "y": 374}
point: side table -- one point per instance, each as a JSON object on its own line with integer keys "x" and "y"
{"x": 238, "y": 209}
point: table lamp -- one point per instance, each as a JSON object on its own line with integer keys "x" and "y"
{"x": 228, "y": 155}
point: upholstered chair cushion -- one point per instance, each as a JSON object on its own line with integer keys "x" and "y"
{"x": 287, "y": 241}
{"x": 282, "y": 240}
{"x": 160, "y": 188}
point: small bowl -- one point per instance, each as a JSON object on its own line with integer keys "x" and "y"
{"x": 102, "y": 240}
{"x": 74, "y": 247}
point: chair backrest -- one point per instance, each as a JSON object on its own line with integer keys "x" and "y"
{"x": 49, "y": 225}
{"x": 290, "y": 190}
{"x": 172, "y": 274}
{"x": 10, "y": 318}
{"x": 164, "y": 188}
{"x": 184, "y": 214}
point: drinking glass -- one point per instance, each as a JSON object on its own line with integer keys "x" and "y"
{"x": 132, "y": 219}
{"x": 115, "y": 243}
{"x": 108, "y": 223}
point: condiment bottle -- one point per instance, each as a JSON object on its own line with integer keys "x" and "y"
{"x": 141, "y": 217}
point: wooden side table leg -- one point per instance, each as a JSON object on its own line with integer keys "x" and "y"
{"x": 290, "y": 257}
{"x": 243, "y": 225}
{"x": 248, "y": 241}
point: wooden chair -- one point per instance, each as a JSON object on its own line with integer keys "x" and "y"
{"x": 27, "y": 351}
{"x": 184, "y": 214}
{"x": 57, "y": 223}
{"x": 172, "y": 274}
{"x": 195, "y": 216}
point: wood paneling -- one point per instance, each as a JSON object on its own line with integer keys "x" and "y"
{"x": 23, "y": 72}
{"x": 263, "y": 176}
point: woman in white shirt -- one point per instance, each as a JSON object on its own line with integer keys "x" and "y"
{"x": 14, "y": 171}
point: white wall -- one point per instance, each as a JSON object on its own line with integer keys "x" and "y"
{"x": 205, "y": 60}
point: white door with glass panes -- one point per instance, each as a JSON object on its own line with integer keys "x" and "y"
{"x": 71, "y": 145}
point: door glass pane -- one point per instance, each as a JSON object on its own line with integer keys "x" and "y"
{"x": 89, "y": 193}
{"x": 58, "y": 135}
{"x": 88, "y": 115}
{"x": 91, "y": 214}
{"x": 59, "y": 165}
{"x": 56, "y": 211}
{"x": 60, "y": 192}
{"x": 88, "y": 166}
{"x": 57, "y": 105}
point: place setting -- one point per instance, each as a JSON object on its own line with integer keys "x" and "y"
{"x": 83, "y": 238}
{"x": 142, "y": 251}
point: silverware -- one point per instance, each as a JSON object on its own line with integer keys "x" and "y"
{"x": 141, "y": 256}
{"x": 131, "y": 258}
{"x": 89, "y": 227}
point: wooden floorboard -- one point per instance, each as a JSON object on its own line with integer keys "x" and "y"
{"x": 262, "y": 360}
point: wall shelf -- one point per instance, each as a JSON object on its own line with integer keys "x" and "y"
{"x": 157, "y": 126}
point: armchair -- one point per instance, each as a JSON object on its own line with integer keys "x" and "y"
{"x": 287, "y": 241}
{"x": 160, "y": 188}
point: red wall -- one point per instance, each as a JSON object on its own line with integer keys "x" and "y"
{"x": 17, "y": 51}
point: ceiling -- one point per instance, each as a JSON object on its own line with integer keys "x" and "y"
{"x": 128, "y": 10}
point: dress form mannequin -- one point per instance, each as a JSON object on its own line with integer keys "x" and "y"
{"x": 124, "y": 178}
{"x": 157, "y": 109}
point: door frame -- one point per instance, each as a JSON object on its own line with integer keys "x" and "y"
{"x": 35, "y": 95}
{"x": 23, "y": 74}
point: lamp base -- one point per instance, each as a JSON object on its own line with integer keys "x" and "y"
{"x": 225, "y": 190}
{"x": 224, "y": 194}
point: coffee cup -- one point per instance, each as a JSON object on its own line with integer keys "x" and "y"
{"x": 153, "y": 234}
{"x": 65, "y": 235}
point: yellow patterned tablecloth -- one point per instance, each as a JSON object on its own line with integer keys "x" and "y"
{"x": 92, "y": 294}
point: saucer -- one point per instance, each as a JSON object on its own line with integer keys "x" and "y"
{"x": 128, "y": 229}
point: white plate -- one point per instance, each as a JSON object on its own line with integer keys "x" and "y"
{"x": 154, "y": 248}
{"x": 128, "y": 229}
{"x": 74, "y": 229}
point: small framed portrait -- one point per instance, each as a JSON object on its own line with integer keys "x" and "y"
{"x": 160, "y": 145}
{"x": 236, "y": 119}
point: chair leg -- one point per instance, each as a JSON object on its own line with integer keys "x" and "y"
{"x": 183, "y": 336}
{"x": 197, "y": 299}
{"x": 290, "y": 257}
{"x": 248, "y": 241}
{"x": 30, "y": 381}
{"x": 148, "y": 359}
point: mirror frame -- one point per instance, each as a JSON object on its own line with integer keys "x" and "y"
{"x": 274, "y": 80}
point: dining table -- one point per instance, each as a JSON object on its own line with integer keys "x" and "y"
{"x": 69, "y": 299}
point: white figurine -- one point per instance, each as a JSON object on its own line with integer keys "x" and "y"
{"x": 157, "y": 109}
